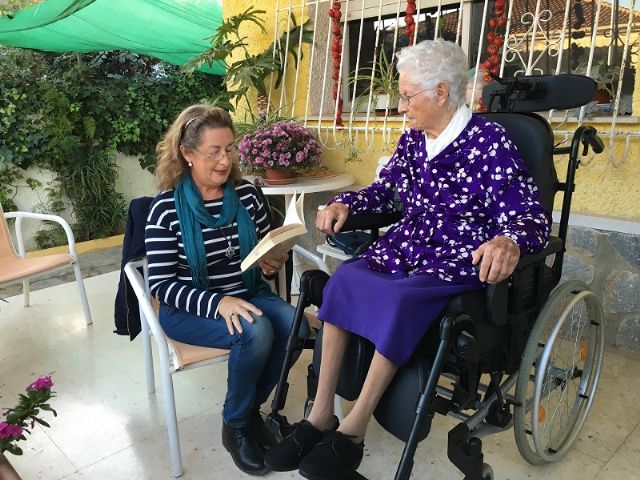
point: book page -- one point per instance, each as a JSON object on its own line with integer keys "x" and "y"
{"x": 295, "y": 211}
{"x": 279, "y": 240}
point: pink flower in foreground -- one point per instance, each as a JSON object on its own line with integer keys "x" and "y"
{"x": 41, "y": 384}
{"x": 9, "y": 430}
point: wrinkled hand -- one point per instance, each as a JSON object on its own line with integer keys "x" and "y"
{"x": 499, "y": 259}
{"x": 270, "y": 264}
{"x": 330, "y": 219}
{"x": 232, "y": 308}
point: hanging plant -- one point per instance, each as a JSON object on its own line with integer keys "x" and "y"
{"x": 336, "y": 55}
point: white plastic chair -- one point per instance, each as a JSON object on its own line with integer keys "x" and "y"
{"x": 15, "y": 266}
{"x": 173, "y": 356}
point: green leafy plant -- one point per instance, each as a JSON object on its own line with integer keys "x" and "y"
{"x": 246, "y": 71}
{"x": 70, "y": 114}
{"x": 382, "y": 80}
{"x": 20, "y": 420}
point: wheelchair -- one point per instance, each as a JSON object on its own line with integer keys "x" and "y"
{"x": 537, "y": 344}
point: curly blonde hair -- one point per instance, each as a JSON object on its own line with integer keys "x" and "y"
{"x": 186, "y": 130}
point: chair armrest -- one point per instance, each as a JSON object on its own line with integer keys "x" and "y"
{"x": 71, "y": 243}
{"x": 368, "y": 221}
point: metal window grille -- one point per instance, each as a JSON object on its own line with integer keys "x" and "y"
{"x": 593, "y": 37}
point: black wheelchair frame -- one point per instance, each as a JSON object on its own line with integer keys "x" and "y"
{"x": 510, "y": 330}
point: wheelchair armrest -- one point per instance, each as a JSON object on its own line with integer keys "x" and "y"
{"x": 369, "y": 221}
{"x": 554, "y": 246}
{"x": 497, "y": 307}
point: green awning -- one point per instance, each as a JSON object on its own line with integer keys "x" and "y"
{"x": 171, "y": 30}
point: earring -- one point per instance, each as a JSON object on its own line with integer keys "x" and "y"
{"x": 190, "y": 164}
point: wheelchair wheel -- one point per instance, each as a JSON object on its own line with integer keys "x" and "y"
{"x": 559, "y": 373}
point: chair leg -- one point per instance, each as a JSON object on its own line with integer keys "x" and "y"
{"x": 172, "y": 421}
{"x": 148, "y": 355}
{"x": 26, "y": 291}
{"x": 83, "y": 293}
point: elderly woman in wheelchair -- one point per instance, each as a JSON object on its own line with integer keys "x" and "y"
{"x": 470, "y": 207}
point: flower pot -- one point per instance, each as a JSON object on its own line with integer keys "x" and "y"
{"x": 279, "y": 176}
{"x": 602, "y": 96}
{"x": 384, "y": 102}
{"x": 7, "y": 472}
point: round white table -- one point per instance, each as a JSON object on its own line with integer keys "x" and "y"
{"x": 306, "y": 185}
{"x": 303, "y": 185}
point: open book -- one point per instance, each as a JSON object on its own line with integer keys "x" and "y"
{"x": 280, "y": 240}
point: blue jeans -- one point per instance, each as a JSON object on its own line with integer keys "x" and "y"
{"x": 256, "y": 355}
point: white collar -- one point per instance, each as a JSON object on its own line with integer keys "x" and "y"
{"x": 455, "y": 127}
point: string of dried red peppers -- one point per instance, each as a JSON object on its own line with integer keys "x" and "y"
{"x": 495, "y": 40}
{"x": 336, "y": 55}
{"x": 409, "y": 21}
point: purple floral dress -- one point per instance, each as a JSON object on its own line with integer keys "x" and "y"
{"x": 478, "y": 187}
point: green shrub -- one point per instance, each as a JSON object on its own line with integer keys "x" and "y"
{"x": 71, "y": 113}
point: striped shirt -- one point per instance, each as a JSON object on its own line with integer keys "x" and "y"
{"x": 169, "y": 273}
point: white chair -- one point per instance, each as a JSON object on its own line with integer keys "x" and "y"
{"x": 15, "y": 266}
{"x": 174, "y": 357}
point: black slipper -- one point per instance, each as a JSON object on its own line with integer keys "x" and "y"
{"x": 288, "y": 454}
{"x": 334, "y": 458}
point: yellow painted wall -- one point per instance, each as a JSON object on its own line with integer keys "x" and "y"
{"x": 602, "y": 188}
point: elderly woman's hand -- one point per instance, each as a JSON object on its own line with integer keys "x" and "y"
{"x": 232, "y": 308}
{"x": 499, "y": 259}
{"x": 330, "y": 219}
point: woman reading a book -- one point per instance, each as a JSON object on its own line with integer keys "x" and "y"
{"x": 200, "y": 227}
{"x": 467, "y": 198}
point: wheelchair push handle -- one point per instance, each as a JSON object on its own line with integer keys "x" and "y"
{"x": 590, "y": 138}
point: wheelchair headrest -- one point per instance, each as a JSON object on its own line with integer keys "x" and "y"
{"x": 538, "y": 93}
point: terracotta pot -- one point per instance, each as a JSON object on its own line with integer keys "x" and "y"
{"x": 602, "y": 96}
{"x": 279, "y": 175}
{"x": 7, "y": 472}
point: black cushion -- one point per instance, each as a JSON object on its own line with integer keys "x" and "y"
{"x": 533, "y": 137}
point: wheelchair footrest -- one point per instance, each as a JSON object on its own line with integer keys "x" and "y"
{"x": 465, "y": 452}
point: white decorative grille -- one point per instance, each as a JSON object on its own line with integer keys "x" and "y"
{"x": 594, "y": 37}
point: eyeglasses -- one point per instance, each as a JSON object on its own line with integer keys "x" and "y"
{"x": 217, "y": 155}
{"x": 404, "y": 98}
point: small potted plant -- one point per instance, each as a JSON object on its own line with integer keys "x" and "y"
{"x": 18, "y": 422}
{"x": 383, "y": 87}
{"x": 279, "y": 149}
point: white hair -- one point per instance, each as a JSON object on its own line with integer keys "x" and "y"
{"x": 431, "y": 62}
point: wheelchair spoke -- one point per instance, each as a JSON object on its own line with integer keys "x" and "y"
{"x": 560, "y": 366}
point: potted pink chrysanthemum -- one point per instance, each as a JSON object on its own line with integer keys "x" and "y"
{"x": 17, "y": 422}
{"x": 279, "y": 149}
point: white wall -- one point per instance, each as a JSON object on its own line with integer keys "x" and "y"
{"x": 132, "y": 182}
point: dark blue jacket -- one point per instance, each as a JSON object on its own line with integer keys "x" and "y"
{"x": 127, "y": 312}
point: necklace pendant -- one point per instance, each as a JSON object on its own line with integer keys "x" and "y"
{"x": 230, "y": 251}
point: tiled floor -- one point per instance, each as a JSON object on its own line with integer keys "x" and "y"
{"x": 109, "y": 428}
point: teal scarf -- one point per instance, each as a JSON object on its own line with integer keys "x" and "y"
{"x": 192, "y": 214}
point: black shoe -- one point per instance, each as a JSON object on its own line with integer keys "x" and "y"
{"x": 260, "y": 431}
{"x": 245, "y": 451}
{"x": 336, "y": 457}
{"x": 288, "y": 454}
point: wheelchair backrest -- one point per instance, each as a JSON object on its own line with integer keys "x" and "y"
{"x": 533, "y": 137}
